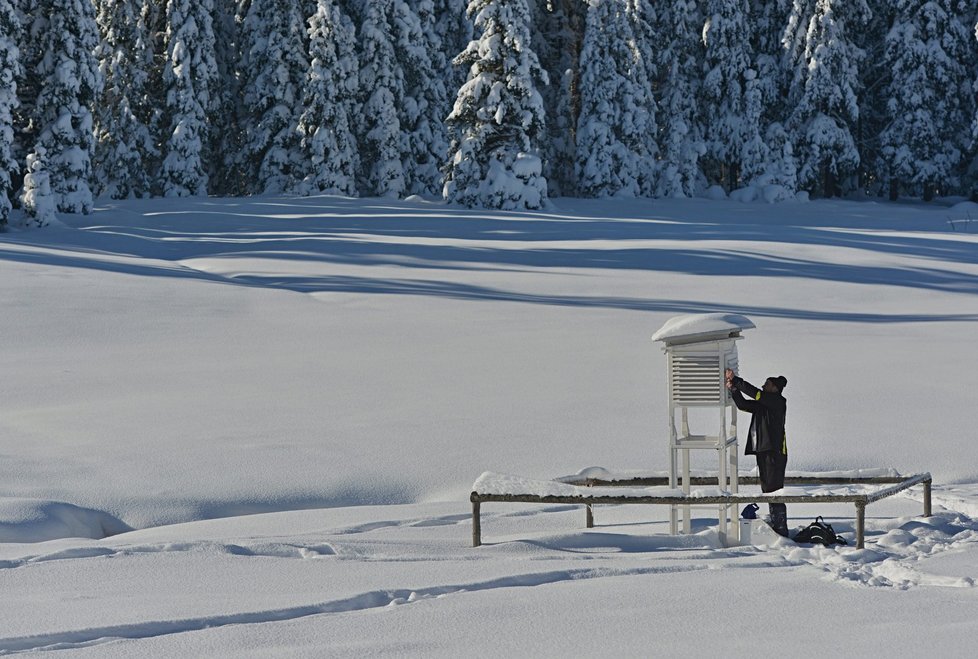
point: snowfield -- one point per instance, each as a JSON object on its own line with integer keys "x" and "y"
{"x": 249, "y": 427}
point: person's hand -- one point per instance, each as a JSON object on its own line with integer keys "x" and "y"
{"x": 729, "y": 374}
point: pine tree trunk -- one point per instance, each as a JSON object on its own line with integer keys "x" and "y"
{"x": 733, "y": 174}
{"x": 578, "y": 26}
{"x": 894, "y": 189}
{"x": 828, "y": 183}
{"x": 929, "y": 192}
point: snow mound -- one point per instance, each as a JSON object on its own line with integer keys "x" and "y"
{"x": 37, "y": 520}
{"x": 597, "y": 473}
{"x": 770, "y": 193}
{"x": 701, "y": 325}
{"x": 716, "y": 193}
{"x": 965, "y": 207}
{"x": 744, "y": 195}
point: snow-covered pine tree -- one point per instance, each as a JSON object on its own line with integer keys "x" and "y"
{"x": 617, "y": 111}
{"x": 329, "y": 147}
{"x": 153, "y": 25}
{"x": 34, "y": 24}
{"x": 498, "y": 116}
{"x": 603, "y": 164}
{"x": 189, "y": 76}
{"x": 779, "y": 180}
{"x": 124, "y": 143}
{"x": 728, "y": 57}
{"x": 681, "y": 142}
{"x": 274, "y": 36}
{"x": 70, "y": 84}
{"x": 792, "y": 45}
{"x": 36, "y": 197}
{"x": 9, "y": 70}
{"x": 796, "y": 16}
{"x": 558, "y": 35}
{"x": 927, "y": 51}
{"x": 875, "y": 83}
{"x": 971, "y": 171}
{"x": 770, "y": 21}
{"x": 454, "y": 31}
{"x": 827, "y": 109}
{"x": 642, "y": 123}
{"x": 754, "y": 157}
{"x": 424, "y": 106}
{"x": 381, "y": 85}
{"x": 226, "y": 174}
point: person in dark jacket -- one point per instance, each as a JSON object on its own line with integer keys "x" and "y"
{"x": 766, "y": 439}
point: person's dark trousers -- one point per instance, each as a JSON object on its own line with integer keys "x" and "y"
{"x": 771, "y": 466}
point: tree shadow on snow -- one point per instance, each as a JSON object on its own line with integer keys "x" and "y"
{"x": 163, "y": 235}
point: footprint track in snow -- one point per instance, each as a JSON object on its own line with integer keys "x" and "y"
{"x": 92, "y": 636}
{"x": 897, "y": 557}
{"x": 261, "y": 550}
{"x": 443, "y": 520}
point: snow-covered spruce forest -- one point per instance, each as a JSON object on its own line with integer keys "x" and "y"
{"x": 496, "y": 103}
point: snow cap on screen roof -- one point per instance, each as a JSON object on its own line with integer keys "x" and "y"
{"x": 690, "y": 328}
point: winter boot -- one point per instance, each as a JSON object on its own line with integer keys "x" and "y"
{"x": 779, "y": 522}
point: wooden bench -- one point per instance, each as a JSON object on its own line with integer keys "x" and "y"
{"x": 590, "y": 491}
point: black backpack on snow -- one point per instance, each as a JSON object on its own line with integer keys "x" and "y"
{"x": 820, "y": 533}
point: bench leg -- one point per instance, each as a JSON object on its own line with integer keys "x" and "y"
{"x": 927, "y": 508}
{"x": 476, "y": 524}
{"x": 860, "y": 525}
{"x": 589, "y": 516}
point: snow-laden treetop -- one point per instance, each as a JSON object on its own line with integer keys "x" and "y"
{"x": 702, "y": 327}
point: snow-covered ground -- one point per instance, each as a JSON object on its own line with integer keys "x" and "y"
{"x": 249, "y": 427}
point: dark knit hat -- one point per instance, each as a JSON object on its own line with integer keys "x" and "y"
{"x": 779, "y": 381}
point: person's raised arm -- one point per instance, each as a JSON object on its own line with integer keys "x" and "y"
{"x": 745, "y": 387}
{"x": 743, "y": 404}
{"x": 736, "y": 385}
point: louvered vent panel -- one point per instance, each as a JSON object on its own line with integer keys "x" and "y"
{"x": 696, "y": 380}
